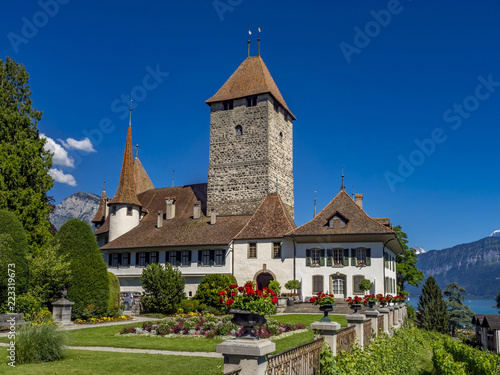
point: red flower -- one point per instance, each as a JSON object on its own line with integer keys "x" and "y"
{"x": 222, "y": 292}
{"x": 233, "y": 286}
{"x": 312, "y": 300}
{"x": 275, "y": 300}
{"x": 241, "y": 289}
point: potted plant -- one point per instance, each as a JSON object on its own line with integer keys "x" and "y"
{"x": 389, "y": 299}
{"x": 355, "y": 303}
{"x": 326, "y": 303}
{"x": 381, "y": 300}
{"x": 293, "y": 285}
{"x": 370, "y": 300}
{"x": 249, "y": 306}
{"x": 365, "y": 285}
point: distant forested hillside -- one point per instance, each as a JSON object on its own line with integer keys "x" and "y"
{"x": 474, "y": 266}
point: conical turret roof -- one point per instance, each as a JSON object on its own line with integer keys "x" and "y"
{"x": 251, "y": 78}
{"x": 101, "y": 210}
{"x": 141, "y": 178}
{"x": 126, "y": 194}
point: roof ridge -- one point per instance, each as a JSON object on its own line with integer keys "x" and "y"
{"x": 284, "y": 211}
{"x": 368, "y": 216}
{"x": 251, "y": 217}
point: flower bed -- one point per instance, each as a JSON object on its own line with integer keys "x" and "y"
{"x": 209, "y": 326}
{"x": 104, "y": 319}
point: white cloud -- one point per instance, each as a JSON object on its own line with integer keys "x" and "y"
{"x": 73, "y": 144}
{"x": 61, "y": 156}
{"x": 60, "y": 176}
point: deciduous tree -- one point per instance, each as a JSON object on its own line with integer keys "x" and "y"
{"x": 406, "y": 264}
{"x": 24, "y": 164}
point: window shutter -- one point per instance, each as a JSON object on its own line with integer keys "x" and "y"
{"x": 178, "y": 257}
{"x": 322, "y": 258}
{"x": 308, "y": 257}
{"x": 353, "y": 257}
{"x": 224, "y": 257}
{"x": 110, "y": 260}
{"x": 120, "y": 259}
{"x": 137, "y": 258}
{"x": 199, "y": 258}
{"x": 212, "y": 257}
{"x": 368, "y": 257}
{"x": 189, "y": 257}
{"x": 346, "y": 257}
{"x": 329, "y": 255}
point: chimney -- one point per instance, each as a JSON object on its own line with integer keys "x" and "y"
{"x": 170, "y": 202}
{"x": 197, "y": 210}
{"x": 359, "y": 200}
{"x": 159, "y": 223}
{"x": 213, "y": 217}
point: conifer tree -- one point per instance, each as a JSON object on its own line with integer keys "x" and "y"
{"x": 432, "y": 308}
{"x": 24, "y": 164}
{"x": 89, "y": 283}
{"x": 460, "y": 314}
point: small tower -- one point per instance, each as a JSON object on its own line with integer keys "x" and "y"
{"x": 102, "y": 210}
{"x": 251, "y": 141}
{"x": 125, "y": 207}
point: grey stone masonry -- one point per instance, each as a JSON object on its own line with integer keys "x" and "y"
{"x": 251, "y": 155}
{"x": 373, "y": 315}
{"x": 357, "y": 321}
{"x": 328, "y": 331}
{"x": 247, "y": 355}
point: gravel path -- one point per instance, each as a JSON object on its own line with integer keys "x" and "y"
{"x": 141, "y": 351}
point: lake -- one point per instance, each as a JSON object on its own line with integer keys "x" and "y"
{"x": 478, "y": 306}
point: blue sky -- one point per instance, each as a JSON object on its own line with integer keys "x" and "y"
{"x": 404, "y": 94}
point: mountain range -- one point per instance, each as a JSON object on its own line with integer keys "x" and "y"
{"x": 80, "y": 205}
{"x": 474, "y": 266}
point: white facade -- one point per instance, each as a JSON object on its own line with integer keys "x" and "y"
{"x": 122, "y": 218}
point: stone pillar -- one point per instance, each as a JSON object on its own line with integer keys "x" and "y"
{"x": 247, "y": 355}
{"x": 391, "y": 317}
{"x": 281, "y": 304}
{"x": 373, "y": 315}
{"x": 385, "y": 312}
{"x": 400, "y": 315}
{"x": 61, "y": 311}
{"x": 328, "y": 331}
{"x": 357, "y": 321}
{"x": 396, "y": 316}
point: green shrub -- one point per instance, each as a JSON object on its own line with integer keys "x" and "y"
{"x": 28, "y": 305}
{"x": 164, "y": 288}
{"x": 189, "y": 305}
{"x": 275, "y": 287}
{"x": 293, "y": 285}
{"x": 13, "y": 250}
{"x": 209, "y": 288}
{"x": 114, "y": 291}
{"x": 39, "y": 343}
{"x": 89, "y": 284}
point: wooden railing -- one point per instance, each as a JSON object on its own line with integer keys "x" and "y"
{"x": 301, "y": 360}
{"x": 367, "y": 332}
{"x": 346, "y": 338}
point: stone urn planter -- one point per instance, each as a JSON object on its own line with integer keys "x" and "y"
{"x": 290, "y": 301}
{"x": 248, "y": 320}
{"x": 355, "y": 307}
{"x": 326, "y": 309}
{"x": 371, "y": 304}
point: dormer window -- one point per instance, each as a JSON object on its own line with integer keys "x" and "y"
{"x": 252, "y": 101}
{"x": 228, "y": 104}
{"x": 238, "y": 130}
{"x": 129, "y": 210}
{"x": 113, "y": 210}
{"x": 337, "y": 221}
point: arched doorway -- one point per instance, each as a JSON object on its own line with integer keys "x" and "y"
{"x": 338, "y": 285}
{"x": 263, "y": 280}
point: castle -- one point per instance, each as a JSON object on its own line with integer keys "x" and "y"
{"x": 241, "y": 221}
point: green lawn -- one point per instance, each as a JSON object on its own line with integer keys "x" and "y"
{"x": 87, "y": 362}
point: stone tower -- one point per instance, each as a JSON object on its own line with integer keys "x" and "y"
{"x": 251, "y": 142}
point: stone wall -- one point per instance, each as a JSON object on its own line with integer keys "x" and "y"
{"x": 244, "y": 168}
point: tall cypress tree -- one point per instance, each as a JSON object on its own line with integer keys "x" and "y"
{"x": 24, "y": 164}
{"x": 433, "y": 314}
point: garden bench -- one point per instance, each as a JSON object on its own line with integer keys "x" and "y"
{"x": 5, "y": 320}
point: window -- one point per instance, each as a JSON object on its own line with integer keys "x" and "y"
{"x": 276, "y": 107}
{"x": 277, "y": 250}
{"x": 252, "y": 250}
{"x": 315, "y": 257}
{"x": 228, "y": 104}
{"x": 114, "y": 259}
{"x": 113, "y": 210}
{"x": 142, "y": 260}
{"x": 251, "y": 101}
{"x": 219, "y": 257}
{"x": 360, "y": 257}
{"x": 337, "y": 222}
{"x": 238, "y": 130}
{"x": 129, "y": 210}
{"x": 126, "y": 259}
{"x": 153, "y": 257}
{"x": 280, "y": 137}
{"x": 172, "y": 258}
{"x": 355, "y": 284}
{"x": 338, "y": 256}
{"x": 205, "y": 260}
{"x": 338, "y": 285}
{"x": 317, "y": 284}
{"x": 186, "y": 258}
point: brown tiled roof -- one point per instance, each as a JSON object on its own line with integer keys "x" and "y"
{"x": 101, "y": 210}
{"x": 270, "y": 220}
{"x": 183, "y": 230}
{"x": 491, "y": 321}
{"x": 358, "y": 222}
{"x": 126, "y": 187}
{"x": 103, "y": 228}
{"x": 478, "y": 319}
{"x": 141, "y": 178}
{"x": 251, "y": 78}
